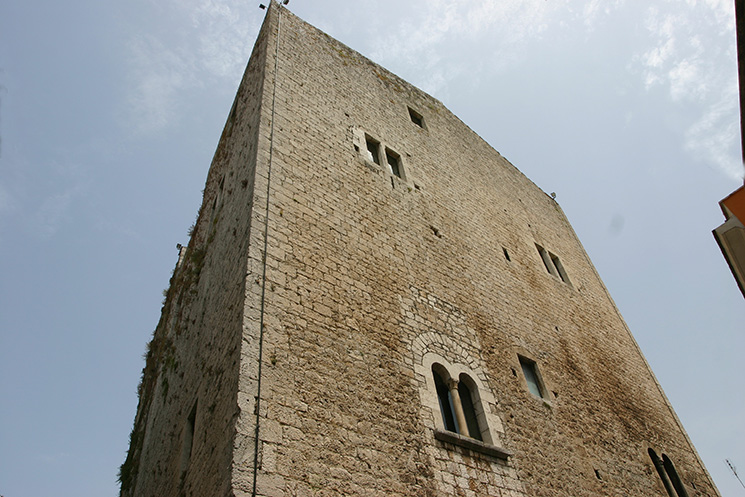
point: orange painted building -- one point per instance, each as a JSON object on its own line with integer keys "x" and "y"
{"x": 731, "y": 234}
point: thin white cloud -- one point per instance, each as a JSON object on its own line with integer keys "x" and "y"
{"x": 224, "y": 36}
{"x": 158, "y": 76}
{"x": 691, "y": 56}
{"x": 211, "y": 47}
{"x": 492, "y": 31}
{"x": 682, "y": 52}
{"x": 715, "y": 136}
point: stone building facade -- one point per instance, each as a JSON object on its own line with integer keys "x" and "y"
{"x": 375, "y": 302}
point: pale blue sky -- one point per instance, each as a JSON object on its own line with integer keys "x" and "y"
{"x": 110, "y": 113}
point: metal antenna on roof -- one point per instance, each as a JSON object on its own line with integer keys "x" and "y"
{"x": 734, "y": 471}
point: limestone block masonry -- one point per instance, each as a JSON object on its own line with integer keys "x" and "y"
{"x": 375, "y": 302}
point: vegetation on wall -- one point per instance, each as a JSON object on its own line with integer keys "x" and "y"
{"x": 160, "y": 356}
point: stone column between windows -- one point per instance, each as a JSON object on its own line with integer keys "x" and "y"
{"x": 460, "y": 417}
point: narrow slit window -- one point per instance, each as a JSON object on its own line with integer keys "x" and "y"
{"x": 373, "y": 150}
{"x": 394, "y": 162}
{"x": 531, "y": 377}
{"x": 188, "y": 439}
{"x": 553, "y": 264}
{"x": 546, "y": 259}
{"x": 416, "y": 117}
{"x": 660, "y": 467}
{"x": 672, "y": 473}
{"x": 559, "y": 268}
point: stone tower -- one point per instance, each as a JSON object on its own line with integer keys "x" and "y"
{"x": 375, "y": 302}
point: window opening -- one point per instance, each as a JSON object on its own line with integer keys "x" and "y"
{"x": 469, "y": 411}
{"x": 416, "y": 117}
{"x": 660, "y": 467}
{"x": 373, "y": 149}
{"x": 188, "y": 440}
{"x": 394, "y": 162}
{"x": 553, "y": 264}
{"x": 218, "y": 197}
{"x": 546, "y": 260}
{"x": 673, "y": 475}
{"x": 460, "y": 404}
{"x": 446, "y": 402}
{"x": 559, "y": 268}
{"x": 531, "y": 376}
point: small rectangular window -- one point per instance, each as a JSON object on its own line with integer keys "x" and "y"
{"x": 546, "y": 260}
{"x": 394, "y": 162}
{"x": 560, "y": 269}
{"x": 373, "y": 149}
{"x": 553, "y": 264}
{"x": 531, "y": 376}
{"x": 416, "y": 117}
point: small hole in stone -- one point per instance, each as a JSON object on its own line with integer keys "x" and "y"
{"x": 597, "y": 475}
{"x": 514, "y": 373}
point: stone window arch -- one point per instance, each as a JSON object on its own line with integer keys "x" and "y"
{"x": 438, "y": 359}
{"x": 460, "y": 403}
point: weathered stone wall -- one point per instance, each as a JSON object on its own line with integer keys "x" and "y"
{"x": 363, "y": 264}
{"x": 192, "y": 369}
{"x": 368, "y": 280}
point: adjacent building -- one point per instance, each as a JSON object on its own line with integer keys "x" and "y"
{"x": 730, "y": 235}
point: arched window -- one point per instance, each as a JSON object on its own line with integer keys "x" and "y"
{"x": 466, "y": 393}
{"x": 673, "y": 475}
{"x": 445, "y": 400}
{"x": 669, "y": 476}
{"x": 460, "y": 405}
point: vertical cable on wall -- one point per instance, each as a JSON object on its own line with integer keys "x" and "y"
{"x": 265, "y": 255}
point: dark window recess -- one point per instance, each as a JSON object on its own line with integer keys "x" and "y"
{"x": 559, "y": 268}
{"x": 668, "y": 475}
{"x": 416, "y": 117}
{"x": 469, "y": 411}
{"x": 546, "y": 259}
{"x": 660, "y": 467}
{"x": 446, "y": 403}
{"x": 553, "y": 264}
{"x": 188, "y": 439}
{"x": 674, "y": 478}
{"x": 394, "y": 162}
{"x": 373, "y": 150}
{"x": 531, "y": 377}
